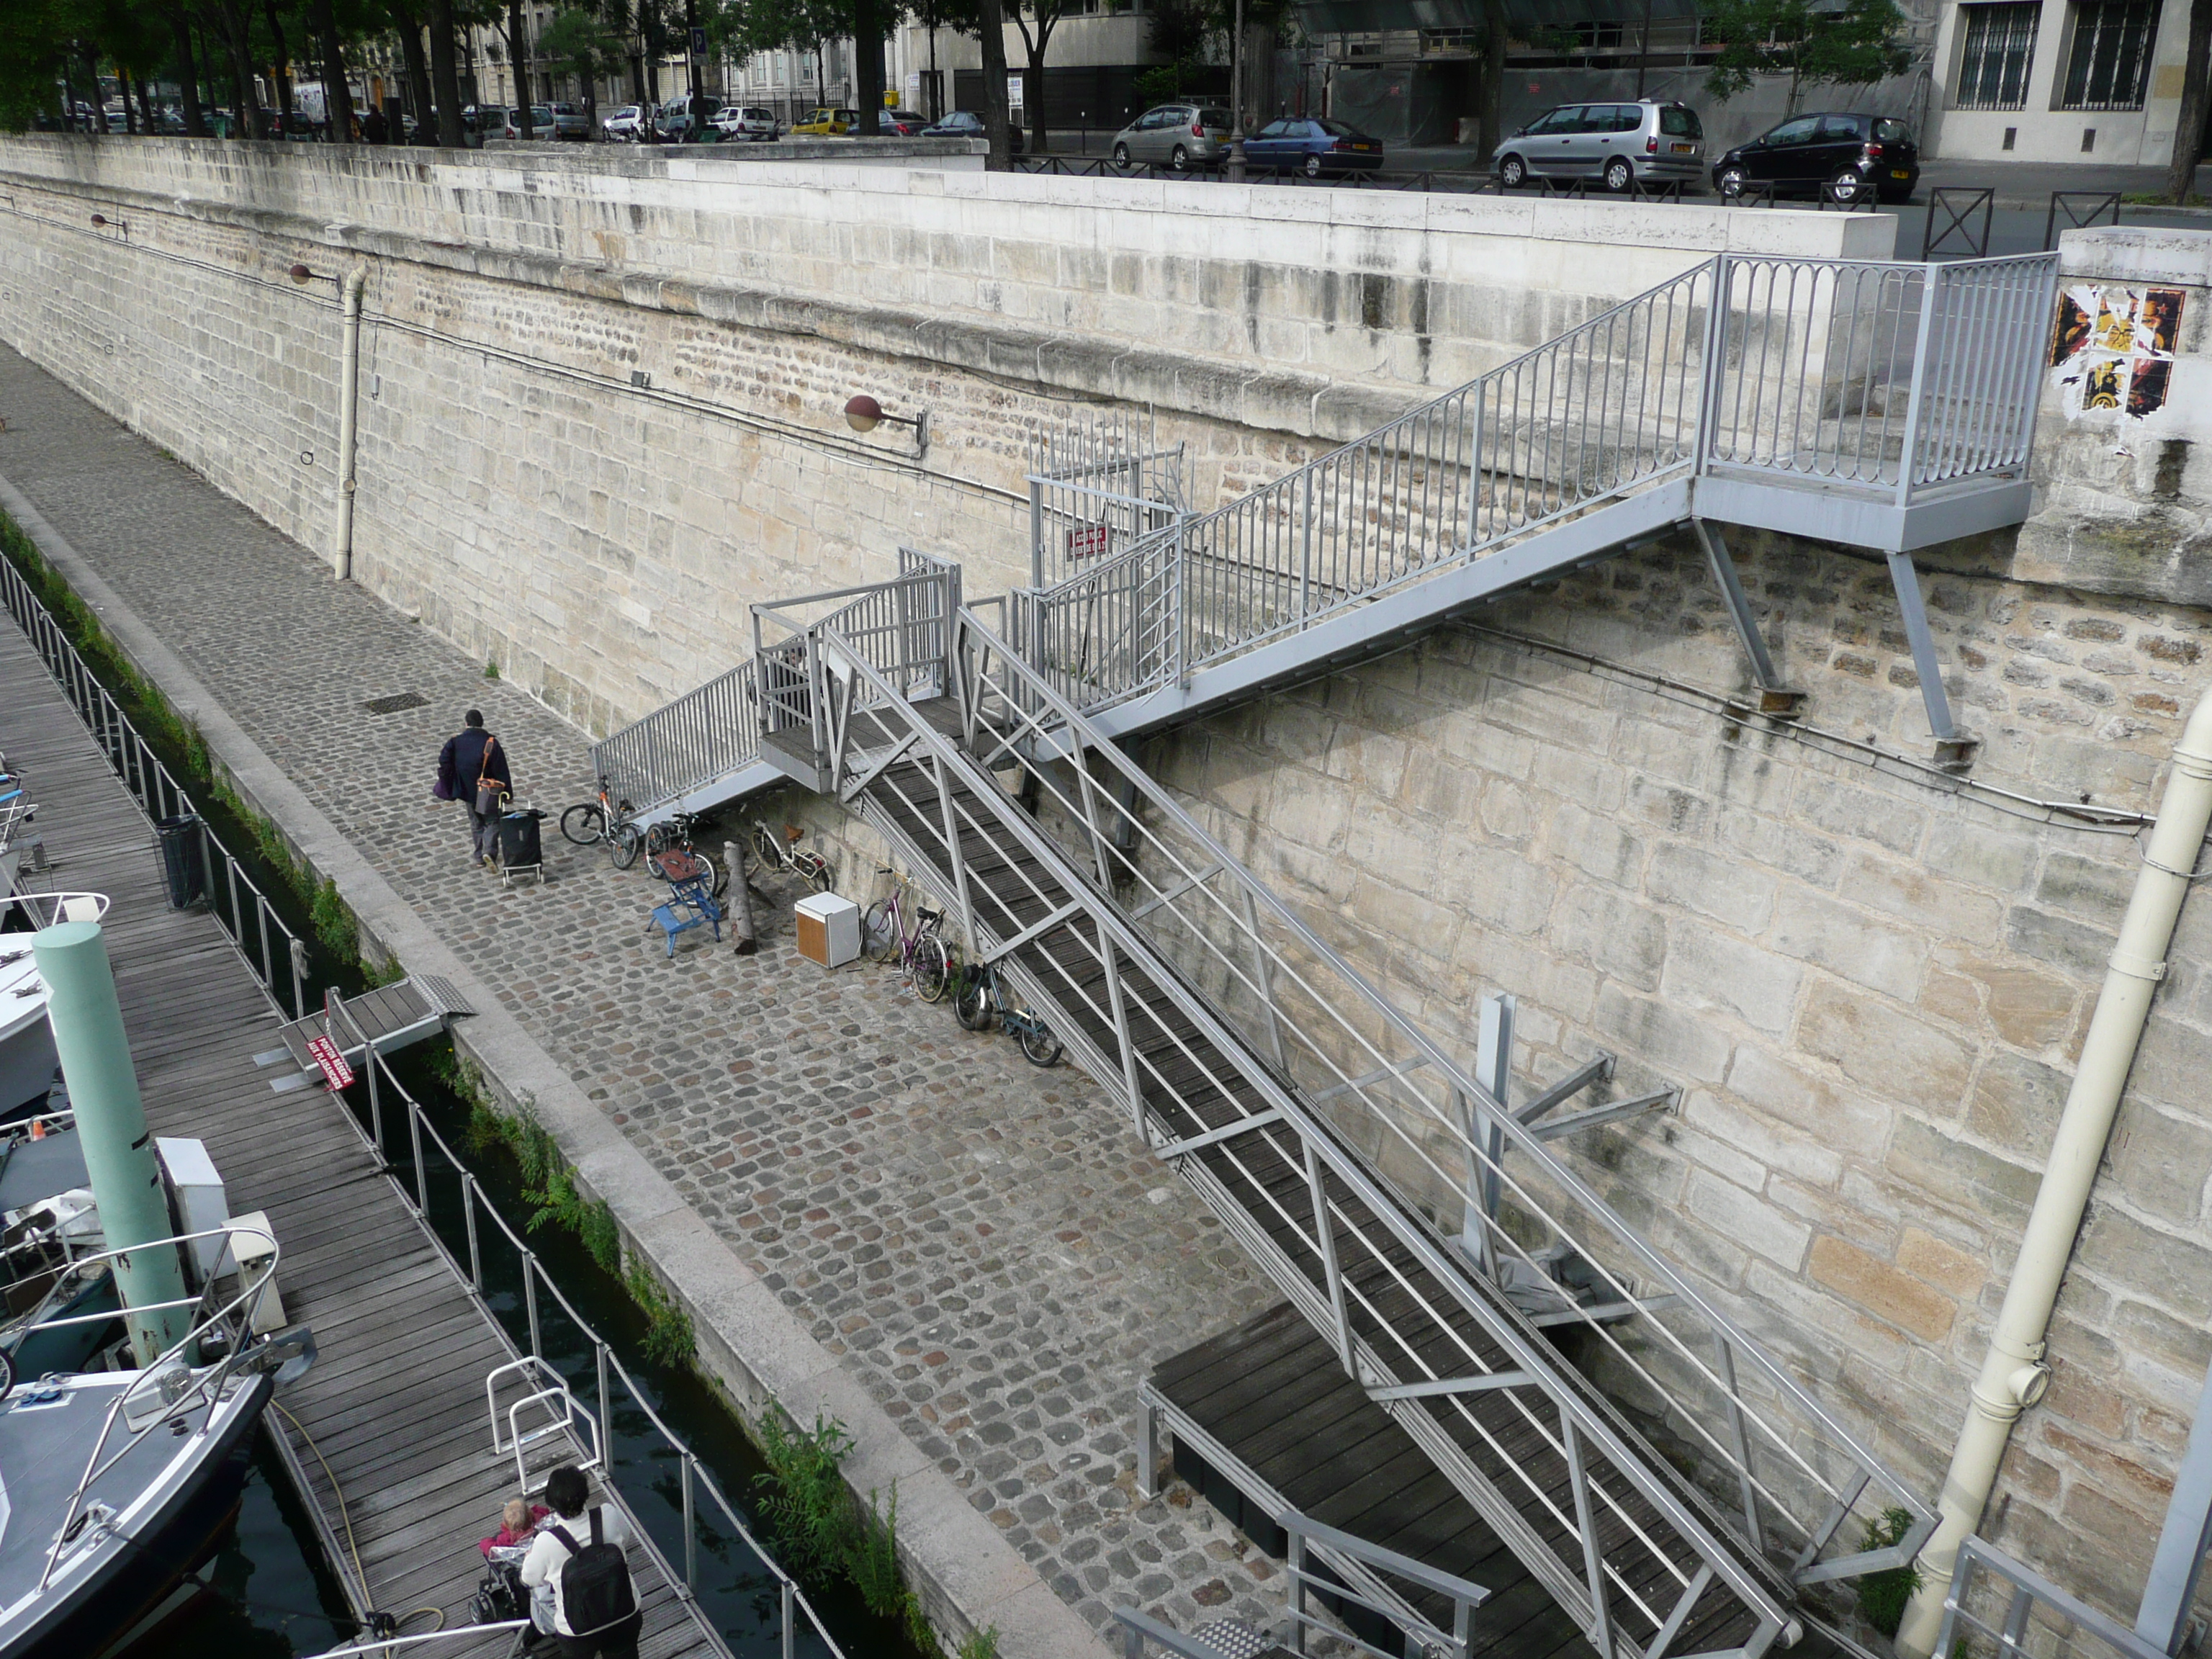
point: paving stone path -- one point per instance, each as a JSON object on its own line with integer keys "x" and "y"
{"x": 984, "y": 1244}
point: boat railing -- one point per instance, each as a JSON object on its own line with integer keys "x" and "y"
{"x": 173, "y": 1379}
{"x": 564, "y": 1414}
{"x": 49, "y": 908}
{"x": 368, "y": 1641}
{"x": 706, "y": 1507}
{"x": 275, "y": 955}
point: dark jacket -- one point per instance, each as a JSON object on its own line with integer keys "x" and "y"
{"x": 462, "y": 760}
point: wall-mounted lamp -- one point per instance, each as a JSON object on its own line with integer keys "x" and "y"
{"x": 303, "y": 275}
{"x": 101, "y": 221}
{"x": 864, "y": 414}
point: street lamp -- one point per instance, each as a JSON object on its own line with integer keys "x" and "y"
{"x": 864, "y": 414}
{"x": 1234, "y": 168}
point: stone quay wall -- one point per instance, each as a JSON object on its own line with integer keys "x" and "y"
{"x": 601, "y": 395}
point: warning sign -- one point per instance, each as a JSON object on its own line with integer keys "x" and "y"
{"x": 1090, "y": 541}
{"x": 336, "y": 1072}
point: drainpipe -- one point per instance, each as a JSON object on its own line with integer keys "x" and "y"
{"x": 349, "y": 388}
{"x": 2013, "y": 1376}
{"x": 111, "y": 1130}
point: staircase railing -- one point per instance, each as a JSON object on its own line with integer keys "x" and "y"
{"x": 1819, "y": 372}
{"x": 703, "y": 735}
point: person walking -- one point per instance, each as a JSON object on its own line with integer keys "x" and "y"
{"x": 373, "y": 128}
{"x": 577, "y": 1574}
{"x": 472, "y": 770}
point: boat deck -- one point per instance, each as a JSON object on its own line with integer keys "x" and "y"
{"x": 395, "y": 1405}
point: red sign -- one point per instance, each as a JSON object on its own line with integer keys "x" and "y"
{"x": 1090, "y": 541}
{"x": 336, "y": 1072}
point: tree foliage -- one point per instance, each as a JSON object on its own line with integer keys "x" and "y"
{"x": 1814, "y": 42}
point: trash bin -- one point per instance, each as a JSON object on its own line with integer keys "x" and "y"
{"x": 521, "y": 851}
{"x": 183, "y": 860}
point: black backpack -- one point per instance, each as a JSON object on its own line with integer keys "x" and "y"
{"x": 595, "y": 1587}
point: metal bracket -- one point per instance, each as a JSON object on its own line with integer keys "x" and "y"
{"x": 1774, "y": 698}
{"x": 1955, "y": 750}
{"x": 1618, "y": 1109}
{"x": 1599, "y": 1070}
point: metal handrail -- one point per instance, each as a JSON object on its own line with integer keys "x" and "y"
{"x": 1964, "y": 1630}
{"x": 377, "y": 1077}
{"x": 369, "y": 1642}
{"x": 707, "y": 732}
{"x": 206, "y": 1386}
{"x": 59, "y": 905}
{"x": 1368, "y": 1215}
{"x": 1334, "y": 1545}
{"x": 160, "y": 796}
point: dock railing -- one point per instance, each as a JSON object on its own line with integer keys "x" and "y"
{"x": 271, "y": 950}
{"x": 1998, "y": 1608}
{"x": 614, "y": 1388}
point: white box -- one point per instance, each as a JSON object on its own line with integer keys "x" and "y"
{"x": 828, "y": 929}
{"x": 252, "y": 1241}
{"x": 200, "y": 1205}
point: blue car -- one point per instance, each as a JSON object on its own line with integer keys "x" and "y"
{"x": 1313, "y": 145}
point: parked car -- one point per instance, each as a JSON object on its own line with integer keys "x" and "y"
{"x": 1848, "y": 153}
{"x": 488, "y": 120}
{"x": 749, "y": 122}
{"x": 900, "y": 124}
{"x": 966, "y": 124}
{"x": 626, "y": 125}
{"x": 677, "y": 118}
{"x": 1182, "y": 135}
{"x": 1618, "y": 143}
{"x": 1312, "y": 145}
{"x": 826, "y": 124}
{"x": 569, "y": 121}
{"x": 541, "y": 122}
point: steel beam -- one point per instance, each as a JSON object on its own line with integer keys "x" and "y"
{"x": 1598, "y": 1069}
{"x": 1953, "y": 747}
{"x": 1739, "y": 605}
{"x": 1597, "y": 1114}
{"x": 2170, "y": 1593}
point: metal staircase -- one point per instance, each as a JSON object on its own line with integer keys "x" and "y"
{"x": 1536, "y": 1349}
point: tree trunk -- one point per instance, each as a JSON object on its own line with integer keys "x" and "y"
{"x": 283, "y": 64}
{"x": 123, "y": 86}
{"x": 2189, "y": 126}
{"x": 992, "y": 17}
{"x": 99, "y": 103}
{"x": 418, "y": 66}
{"x": 445, "y": 75}
{"x": 338, "y": 96}
{"x": 517, "y": 67}
{"x": 1033, "y": 94}
{"x": 867, "y": 68}
{"x": 146, "y": 124}
{"x": 231, "y": 26}
{"x": 188, "y": 82}
{"x": 1490, "y": 99}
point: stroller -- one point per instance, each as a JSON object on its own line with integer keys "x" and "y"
{"x": 502, "y": 1596}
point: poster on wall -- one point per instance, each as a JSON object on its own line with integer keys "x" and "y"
{"x": 2113, "y": 347}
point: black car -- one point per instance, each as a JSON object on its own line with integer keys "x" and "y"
{"x": 1847, "y": 155}
{"x": 966, "y": 124}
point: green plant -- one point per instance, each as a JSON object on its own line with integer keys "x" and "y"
{"x": 873, "y": 1559}
{"x": 334, "y": 923}
{"x": 1883, "y": 1596}
{"x": 491, "y": 670}
{"x": 803, "y": 1496}
{"x": 386, "y": 972}
{"x": 981, "y": 1644}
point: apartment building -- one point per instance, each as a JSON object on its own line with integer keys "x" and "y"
{"x": 2059, "y": 80}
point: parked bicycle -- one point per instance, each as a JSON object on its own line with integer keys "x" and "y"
{"x": 982, "y": 994}
{"x": 922, "y": 955}
{"x": 675, "y": 834}
{"x": 784, "y": 852}
{"x": 605, "y": 819}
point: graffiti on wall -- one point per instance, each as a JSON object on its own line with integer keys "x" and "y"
{"x": 2113, "y": 346}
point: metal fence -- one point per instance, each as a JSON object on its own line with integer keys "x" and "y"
{"x": 416, "y": 1177}
{"x": 274, "y": 955}
{"x": 1881, "y": 380}
{"x": 701, "y": 736}
{"x": 1098, "y": 482}
{"x": 1998, "y": 1608}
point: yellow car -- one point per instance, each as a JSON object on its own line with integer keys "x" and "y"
{"x": 827, "y": 124}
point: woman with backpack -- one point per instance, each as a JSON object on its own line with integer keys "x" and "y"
{"x": 472, "y": 768}
{"x": 577, "y": 1573}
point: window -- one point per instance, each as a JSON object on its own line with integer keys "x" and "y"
{"x": 1994, "y": 58}
{"x": 2110, "y": 61}
{"x": 1628, "y": 118}
{"x": 1677, "y": 121}
{"x": 1799, "y": 131}
{"x": 1841, "y": 129}
{"x": 1896, "y": 132}
{"x": 1561, "y": 119}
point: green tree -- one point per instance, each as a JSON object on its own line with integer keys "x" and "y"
{"x": 1814, "y": 42}
{"x": 2189, "y": 130}
{"x": 746, "y": 26}
{"x": 1035, "y": 19}
{"x": 582, "y": 43}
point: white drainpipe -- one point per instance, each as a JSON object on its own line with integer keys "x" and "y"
{"x": 349, "y": 388}
{"x": 2013, "y": 1376}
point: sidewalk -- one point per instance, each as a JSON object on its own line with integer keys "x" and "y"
{"x": 991, "y": 1259}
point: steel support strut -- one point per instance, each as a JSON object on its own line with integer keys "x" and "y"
{"x": 1953, "y": 747}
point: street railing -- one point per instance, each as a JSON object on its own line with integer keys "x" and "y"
{"x": 483, "y": 1229}
{"x": 276, "y": 956}
{"x": 701, "y": 735}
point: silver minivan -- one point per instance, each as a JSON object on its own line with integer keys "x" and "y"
{"x": 1182, "y": 135}
{"x": 1618, "y": 143}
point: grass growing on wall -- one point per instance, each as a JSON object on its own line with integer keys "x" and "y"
{"x": 825, "y": 1537}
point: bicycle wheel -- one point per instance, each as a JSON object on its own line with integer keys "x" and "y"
{"x": 715, "y": 879}
{"x": 972, "y": 1006}
{"x": 658, "y": 840}
{"x": 767, "y": 848}
{"x": 879, "y": 934}
{"x": 1039, "y": 1045}
{"x": 817, "y": 870}
{"x": 933, "y": 967}
{"x": 584, "y": 823}
{"x": 624, "y": 842}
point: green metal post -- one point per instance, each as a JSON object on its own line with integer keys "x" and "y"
{"x": 111, "y": 1126}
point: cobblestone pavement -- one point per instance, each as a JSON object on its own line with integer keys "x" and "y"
{"x": 982, "y": 1244}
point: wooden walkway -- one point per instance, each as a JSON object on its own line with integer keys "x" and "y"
{"x": 395, "y": 1405}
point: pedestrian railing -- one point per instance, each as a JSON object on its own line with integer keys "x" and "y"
{"x": 274, "y": 955}
{"x": 1876, "y": 382}
{"x": 1998, "y": 1608}
{"x": 704, "y": 734}
{"x": 416, "y": 1173}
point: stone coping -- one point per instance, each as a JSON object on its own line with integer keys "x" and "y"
{"x": 967, "y": 1573}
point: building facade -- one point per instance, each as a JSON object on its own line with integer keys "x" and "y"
{"x": 2080, "y": 81}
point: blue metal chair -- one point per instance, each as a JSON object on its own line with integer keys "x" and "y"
{"x": 690, "y": 905}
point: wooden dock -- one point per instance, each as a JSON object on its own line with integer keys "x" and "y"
{"x": 395, "y": 1405}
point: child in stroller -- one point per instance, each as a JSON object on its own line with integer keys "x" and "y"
{"x": 501, "y": 1597}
